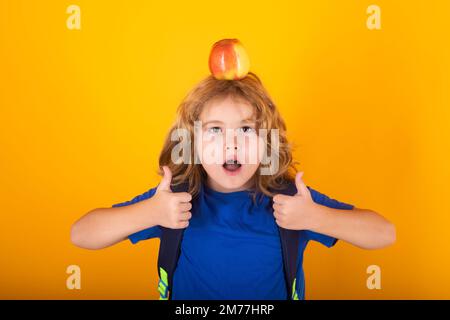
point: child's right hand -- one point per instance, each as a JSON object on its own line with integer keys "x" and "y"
{"x": 172, "y": 208}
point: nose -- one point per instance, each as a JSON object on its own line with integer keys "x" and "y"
{"x": 231, "y": 150}
{"x": 231, "y": 141}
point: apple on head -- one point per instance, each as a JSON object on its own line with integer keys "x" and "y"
{"x": 228, "y": 60}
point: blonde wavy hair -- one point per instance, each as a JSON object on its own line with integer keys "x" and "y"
{"x": 251, "y": 90}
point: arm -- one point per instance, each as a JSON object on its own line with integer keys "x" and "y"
{"x": 103, "y": 227}
{"x": 361, "y": 227}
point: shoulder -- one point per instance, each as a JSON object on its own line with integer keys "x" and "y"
{"x": 143, "y": 196}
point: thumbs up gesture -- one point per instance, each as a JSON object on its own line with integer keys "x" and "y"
{"x": 295, "y": 212}
{"x": 171, "y": 208}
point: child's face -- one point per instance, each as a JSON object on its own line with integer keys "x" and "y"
{"x": 229, "y": 133}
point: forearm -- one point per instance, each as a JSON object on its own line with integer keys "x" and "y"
{"x": 104, "y": 227}
{"x": 360, "y": 227}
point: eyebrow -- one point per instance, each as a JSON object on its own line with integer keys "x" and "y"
{"x": 211, "y": 121}
{"x": 249, "y": 120}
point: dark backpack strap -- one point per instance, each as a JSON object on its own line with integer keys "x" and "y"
{"x": 169, "y": 252}
{"x": 289, "y": 245}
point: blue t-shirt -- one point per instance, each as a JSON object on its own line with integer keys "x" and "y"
{"x": 231, "y": 248}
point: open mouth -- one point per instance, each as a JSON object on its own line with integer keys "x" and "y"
{"x": 231, "y": 165}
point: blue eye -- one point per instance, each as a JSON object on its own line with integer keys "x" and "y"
{"x": 214, "y": 130}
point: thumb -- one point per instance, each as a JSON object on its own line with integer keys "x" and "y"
{"x": 301, "y": 187}
{"x": 166, "y": 180}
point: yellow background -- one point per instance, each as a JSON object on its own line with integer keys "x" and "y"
{"x": 84, "y": 114}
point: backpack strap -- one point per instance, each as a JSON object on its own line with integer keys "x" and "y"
{"x": 289, "y": 246}
{"x": 169, "y": 252}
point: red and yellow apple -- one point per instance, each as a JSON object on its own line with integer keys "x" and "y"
{"x": 228, "y": 60}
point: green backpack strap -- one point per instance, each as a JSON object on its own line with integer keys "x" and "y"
{"x": 289, "y": 246}
{"x": 169, "y": 252}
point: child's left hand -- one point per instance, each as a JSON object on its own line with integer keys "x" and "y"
{"x": 298, "y": 212}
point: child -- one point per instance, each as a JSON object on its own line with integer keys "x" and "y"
{"x": 231, "y": 211}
